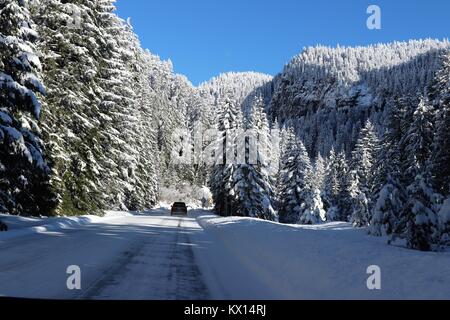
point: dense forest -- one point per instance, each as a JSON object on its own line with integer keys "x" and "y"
{"x": 91, "y": 121}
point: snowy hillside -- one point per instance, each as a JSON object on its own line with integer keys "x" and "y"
{"x": 241, "y": 87}
{"x": 328, "y": 94}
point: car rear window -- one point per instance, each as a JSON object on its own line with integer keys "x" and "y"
{"x": 179, "y": 204}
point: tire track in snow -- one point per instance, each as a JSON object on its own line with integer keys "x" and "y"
{"x": 160, "y": 267}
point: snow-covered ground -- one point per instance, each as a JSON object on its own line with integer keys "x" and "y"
{"x": 327, "y": 261}
{"x": 155, "y": 256}
{"x": 20, "y": 226}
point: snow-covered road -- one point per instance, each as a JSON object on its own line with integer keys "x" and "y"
{"x": 131, "y": 257}
{"x": 202, "y": 256}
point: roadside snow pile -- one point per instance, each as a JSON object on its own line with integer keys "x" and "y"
{"x": 328, "y": 261}
{"x": 21, "y": 226}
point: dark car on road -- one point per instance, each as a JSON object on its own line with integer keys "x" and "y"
{"x": 179, "y": 209}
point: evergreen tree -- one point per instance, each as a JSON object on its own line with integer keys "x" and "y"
{"x": 362, "y": 184}
{"x": 389, "y": 193}
{"x": 229, "y": 125}
{"x": 24, "y": 171}
{"x": 336, "y": 188}
{"x": 71, "y": 116}
{"x": 294, "y": 183}
{"x": 319, "y": 173}
{"x": 147, "y": 183}
{"x": 359, "y": 203}
{"x": 345, "y": 181}
{"x": 314, "y": 212}
{"x": 418, "y": 222}
{"x": 275, "y": 134}
{"x": 252, "y": 185}
{"x": 418, "y": 139}
{"x": 120, "y": 52}
{"x": 440, "y": 155}
{"x": 364, "y": 157}
{"x": 332, "y": 186}
{"x": 389, "y": 205}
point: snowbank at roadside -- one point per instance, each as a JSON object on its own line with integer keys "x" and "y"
{"x": 22, "y": 226}
{"x": 328, "y": 261}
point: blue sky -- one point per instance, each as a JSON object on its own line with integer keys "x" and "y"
{"x": 204, "y": 38}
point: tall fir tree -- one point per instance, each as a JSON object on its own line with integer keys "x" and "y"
{"x": 252, "y": 184}
{"x": 24, "y": 171}
{"x": 389, "y": 193}
{"x": 345, "y": 187}
{"x": 440, "y": 153}
{"x": 363, "y": 167}
{"x": 319, "y": 173}
{"x": 331, "y": 188}
{"x": 118, "y": 107}
{"x": 418, "y": 221}
{"x": 70, "y": 43}
{"x": 294, "y": 182}
{"x": 229, "y": 125}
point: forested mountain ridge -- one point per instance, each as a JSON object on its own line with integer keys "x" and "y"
{"x": 239, "y": 86}
{"x": 329, "y": 93}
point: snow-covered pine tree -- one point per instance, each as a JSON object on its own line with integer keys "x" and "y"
{"x": 118, "y": 110}
{"x": 418, "y": 222}
{"x": 336, "y": 187}
{"x": 147, "y": 181}
{"x": 362, "y": 165}
{"x": 364, "y": 156}
{"x": 229, "y": 124}
{"x": 419, "y": 138}
{"x": 141, "y": 137}
{"x": 331, "y": 187}
{"x": 319, "y": 173}
{"x": 274, "y": 153}
{"x": 389, "y": 192}
{"x": 314, "y": 210}
{"x": 294, "y": 186}
{"x": 440, "y": 154}
{"x": 345, "y": 187}
{"x": 70, "y": 119}
{"x": 252, "y": 184}
{"x": 24, "y": 172}
{"x": 359, "y": 203}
